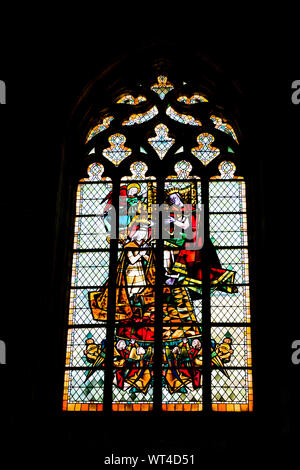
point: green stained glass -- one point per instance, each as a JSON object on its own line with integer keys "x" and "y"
{"x": 182, "y": 118}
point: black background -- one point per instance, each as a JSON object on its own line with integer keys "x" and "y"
{"x": 46, "y": 62}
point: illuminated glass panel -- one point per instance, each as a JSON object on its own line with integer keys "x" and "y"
{"x": 162, "y": 142}
{"x": 223, "y": 126}
{"x": 129, "y": 99}
{"x": 86, "y": 335}
{"x": 231, "y": 391}
{"x": 99, "y": 128}
{"x": 181, "y": 303}
{"x": 196, "y": 98}
{"x": 162, "y": 87}
{"x": 138, "y": 171}
{"x": 205, "y": 151}
{"x": 117, "y": 150}
{"x": 182, "y": 118}
{"x": 182, "y": 315}
{"x": 141, "y": 117}
{"x": 182, "y": 170}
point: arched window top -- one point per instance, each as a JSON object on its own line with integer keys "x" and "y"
{"x": 154, "y": 323}
{"x": 164, "y": 108}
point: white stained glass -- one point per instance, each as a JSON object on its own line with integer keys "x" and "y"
{"x": 228, "y": 229}
{"x": 227, "y": 196}
{"x": 90, "y": 269}
{"x": 76, "y": 344}
{"x": 189, "y": 396}
{"x": 80, "y": 310}
{"x": 140, "y": 118}
{"x": 232, "y": 389}
{"x": 162, "y": 142}
{"x": 205, "y": 152}
{"x": 90, "y": 233}
{"x": 235, "y": 260}
{"x": 81, "y": 390}
{"x": 90, "y": 198}
{"x": 240, "y": 344}
{"x": 162, "y": 87}
{"x": 182, "y": 118}
{"x": 117, "y": 151}
{"x": 233, "y": 308}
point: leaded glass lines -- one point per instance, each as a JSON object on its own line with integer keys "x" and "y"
{"x": 228, "y": 229}
{"x": 153, "y": 324}
{"x": 162, "y": 142}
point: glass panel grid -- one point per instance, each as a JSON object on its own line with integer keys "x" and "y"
{"x": 85, "y": 355}
{"x": 83, "y": 346}
{"x": 90, "y": 268}
{"x": 231, "y": 389}
{"x": 227, "y": 196}
{"x": 237, "y": 353}
{"x": 228, "y": 229}
{"x": 234, "y": 308}
{"x": 90, "y": 232}
{"x": 91, "y": 198}
{"x": 81, "y": 394}
{"x": 236, "y": 260}
{"x": 233, "y": 393}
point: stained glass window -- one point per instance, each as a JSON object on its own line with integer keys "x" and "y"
{"x": 182, "y": 118}
{"x": 161, "y": 142}
{"x": 159, "y": 303}
{"x": 117, "y": 150}
{"x": 129, "y": 99}
{"x": 102, "y": 126}
{"x": 228, "y": 230}
{"x": 196, "y": 98}
{"x": 141, "y": 117}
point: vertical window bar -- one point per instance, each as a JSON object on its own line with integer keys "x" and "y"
{"x": 206, "y": 321}
{"x": 158, "y": 325}
{"x": 113, "y": 262}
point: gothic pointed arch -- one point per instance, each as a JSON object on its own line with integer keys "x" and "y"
{"x": 158, "y": 310}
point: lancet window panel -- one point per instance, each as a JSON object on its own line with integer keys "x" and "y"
{"x": 84, "y": 383}
{"x": 228, "y": 229}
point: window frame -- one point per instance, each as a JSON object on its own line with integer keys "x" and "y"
{"x": 205, "y": 173}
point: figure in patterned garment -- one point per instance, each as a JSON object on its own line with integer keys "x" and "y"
{"x": 135, "y": 304}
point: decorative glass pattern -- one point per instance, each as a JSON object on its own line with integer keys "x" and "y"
{"x": 162, "y": 142}
{"x": 192, "y": 302}
{"x": 182, "y": 118}
{"x": 228, "y": 230}
{"x": 162, "y": 87}
{"x": 138, "y": 172}
{"x": 196, "y": 98}
{"x": 84, "y": 375}
{"x": 117, "y": 150}
{"x": 224, "y": 127}
{"x": 142, "y": 117}
{"x": 99, "y": 128}
{"x": 182, "y": 170}
{"x": 205, "y": 151}
{"x": 233, "y": 392}
{"x": 129, "y": 99}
